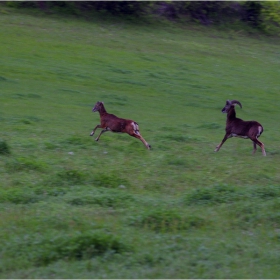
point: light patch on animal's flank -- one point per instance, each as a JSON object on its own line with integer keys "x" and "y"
{"x": 240, "y": 136}
{"x": 260, "y": 131}
{"x": 135, "y": 126}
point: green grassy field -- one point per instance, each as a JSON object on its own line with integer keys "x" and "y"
{"x": 72, "y": 207}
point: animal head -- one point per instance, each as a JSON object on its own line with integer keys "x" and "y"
{"x": 97, "y": 106}
{"x": 230, "y": 104}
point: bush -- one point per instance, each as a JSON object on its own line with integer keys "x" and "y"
{"x": 252, "y": 13}
{"x": 213, "y": 195}
{"x": 271, "y": 16}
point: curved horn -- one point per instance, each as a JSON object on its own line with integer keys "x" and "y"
{"x": 236, "y": 102}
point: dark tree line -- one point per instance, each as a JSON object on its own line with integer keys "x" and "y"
{"x": 254, "y": 13}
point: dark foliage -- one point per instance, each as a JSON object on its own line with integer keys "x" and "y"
{"x": 205, "y": 12}
{"x": 252, "y": 13}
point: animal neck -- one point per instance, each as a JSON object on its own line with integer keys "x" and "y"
{"x": 102, "y": 110}
{"x": 231, "y": 115}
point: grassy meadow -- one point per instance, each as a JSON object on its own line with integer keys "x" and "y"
{"x": 72, "y": 207}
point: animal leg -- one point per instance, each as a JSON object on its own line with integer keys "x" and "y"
{"x": 93, "y": 131}
{"x": 259, "y": 143}
{"x": 134, "y": 132}
{"x": 138, "y": 136}
{"x": 102, "y": 131}
{"x": 223, "y": 141}
{"x": 255, "y": 147}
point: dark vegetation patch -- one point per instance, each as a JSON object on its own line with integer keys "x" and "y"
{"x": 25, "y": 164}
{"x": 3, "y": 79}
{"x": 75, "y": 177}
{"x": 18, "y": 196}
{"x": 256, "y": 15}
{"x": 246, "y": 214}
{"x": 166, "y": 220}
{"x": 179, "y": 161}
{"x": 34, "y": 118}
{"x": 229, "y": 194}
{"x": 4, "y": 148}
{"x": 51, "y": 190}
{"x": 77, "y": 246}
{"x": 72, "y": 176}
{"x": 50, "y": 145}
{"x": 103, "y": 197}
{"x": 78, "y": 141}
{"x": 67, "y": 177}
{"x": 110, "y": 180}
